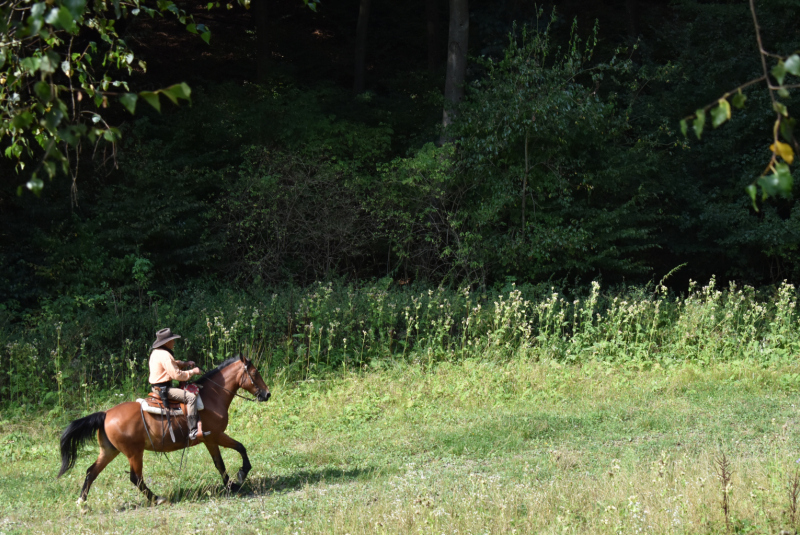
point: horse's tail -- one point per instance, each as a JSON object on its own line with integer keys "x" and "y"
{"x": 78, "y": 432}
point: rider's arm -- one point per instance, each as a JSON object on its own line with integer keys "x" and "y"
{"x": 172, "y": 370}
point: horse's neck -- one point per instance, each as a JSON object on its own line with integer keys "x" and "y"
{"x": 227, "y": 386}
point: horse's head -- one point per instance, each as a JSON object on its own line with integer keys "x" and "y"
{"x": 252, "y": 381}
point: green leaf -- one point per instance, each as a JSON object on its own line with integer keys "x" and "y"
{"x": 779, "y": 182}
{"x": 76, "y": 7}
{"x": 684, "y": 127}
{"x": 787, "y": 128}
{"x": 769, "y": 184}
{"x": 49, "y": 63}
{"x": 152, "y": 99}
{"x": 779, "y": 72}
{"x": 784, "y": 178}
{"x": 50, "y": 167}
{"x": 191, "y": 28}
{"x": 129, "y": 101}
{"x": 792, "y": 64}
{"x": 699, "y": 122}
{"x": 42, "y": 90}
{"x": 52, "y": 119}
{"x": 738, "y": 100}
{"x": 783, "y": 92}
{"x": 52, "y": 16}
{"x": 780, "y": 108}
{"x": 721, "y": 113}
{"x": 65, "y": 20}
{"x": 206, "y": 36}
{"x": 37, "y": 10}
{"x": 177, "y": 91}
{"x": 751, "y": 191}
{"x": 31, "y": 64}
{"x": 22, "y": 120}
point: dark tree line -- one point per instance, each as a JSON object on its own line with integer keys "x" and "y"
{"x": 453, "y": 142}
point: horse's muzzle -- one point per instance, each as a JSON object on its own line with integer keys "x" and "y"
{"x": 263, "y": 395}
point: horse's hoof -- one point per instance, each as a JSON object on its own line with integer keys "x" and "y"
{"x": 240, "y": 475}
{"x": 160, "y": 500}
{"x": 83, "y": 508}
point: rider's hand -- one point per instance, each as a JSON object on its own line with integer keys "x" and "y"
{"x": 195, "y": 371}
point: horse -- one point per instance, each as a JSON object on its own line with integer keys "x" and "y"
{"x": 129, "y": 430}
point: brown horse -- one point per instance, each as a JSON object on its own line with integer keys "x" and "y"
{"x": 125, "y": 428}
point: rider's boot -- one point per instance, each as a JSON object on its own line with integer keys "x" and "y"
{"x": 193, "y": 428}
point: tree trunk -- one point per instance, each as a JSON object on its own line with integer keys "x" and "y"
{"x": 632, "y": 15}
{"x": 457, "y": 42}
{"x": 361, "y": 46}
{"x": 432, "y": 16}
{"x": 262, "y": 45}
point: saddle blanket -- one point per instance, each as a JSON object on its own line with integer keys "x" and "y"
{"x": 146, "y": 407}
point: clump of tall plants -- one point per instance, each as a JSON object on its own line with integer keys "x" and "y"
{"x": 333, "y": 327}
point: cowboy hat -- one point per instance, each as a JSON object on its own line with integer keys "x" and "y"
{"x": 163, "y": 336}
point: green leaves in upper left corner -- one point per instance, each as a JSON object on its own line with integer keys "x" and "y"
{"x": 129, "y": 101}
{"x": 174, "y": 92}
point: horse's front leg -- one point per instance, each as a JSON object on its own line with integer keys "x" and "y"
{"x": 227, "y": 442}
{"x": 216, "y": 456}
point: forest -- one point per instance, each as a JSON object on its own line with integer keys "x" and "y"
{"x": 307, "y": 145}
{"x": 282, "y": 147}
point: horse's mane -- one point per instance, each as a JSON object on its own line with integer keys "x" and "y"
{"x": 224, "y": 364}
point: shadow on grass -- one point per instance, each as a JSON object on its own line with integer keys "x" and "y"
{"x": 265, "y": 486}
{"x": 297, "y": 480}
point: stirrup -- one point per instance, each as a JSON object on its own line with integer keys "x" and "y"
{"x": 193, "y": 434}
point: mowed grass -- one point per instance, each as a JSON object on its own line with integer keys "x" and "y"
{"x": 474, "y": 447}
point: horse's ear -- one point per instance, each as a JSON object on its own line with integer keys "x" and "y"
{"x": 242, "y": 358}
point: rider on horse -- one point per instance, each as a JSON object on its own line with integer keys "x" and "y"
{"x": 164, "y": 368}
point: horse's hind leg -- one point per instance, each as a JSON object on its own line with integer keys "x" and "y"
{"x": 107, "y": 454}
{"x": 137, "y": 479}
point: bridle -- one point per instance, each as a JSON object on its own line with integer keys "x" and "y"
{"x": 241, "y": 384}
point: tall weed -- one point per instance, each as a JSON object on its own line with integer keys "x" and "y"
{"x": 333, "y": 327}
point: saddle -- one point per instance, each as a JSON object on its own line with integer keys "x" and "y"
{"x": 153, "y": 404}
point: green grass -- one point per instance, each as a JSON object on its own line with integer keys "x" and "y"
{"x": 474, "y": 447}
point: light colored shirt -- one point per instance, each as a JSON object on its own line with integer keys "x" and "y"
{"x": 163, "y": 368}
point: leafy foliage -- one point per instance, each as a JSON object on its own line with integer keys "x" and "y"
{"x": 780, "y": 180}
{"x": 59, "y": 65}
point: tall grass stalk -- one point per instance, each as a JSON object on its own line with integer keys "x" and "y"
{"x": 283, "y": 330}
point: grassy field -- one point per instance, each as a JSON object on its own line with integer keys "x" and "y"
{"x": 473, "y": 447}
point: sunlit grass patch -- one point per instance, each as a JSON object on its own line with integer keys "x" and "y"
{"x": 467, "y": 447}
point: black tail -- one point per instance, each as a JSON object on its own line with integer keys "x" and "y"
{"x": 78, "y": 432}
